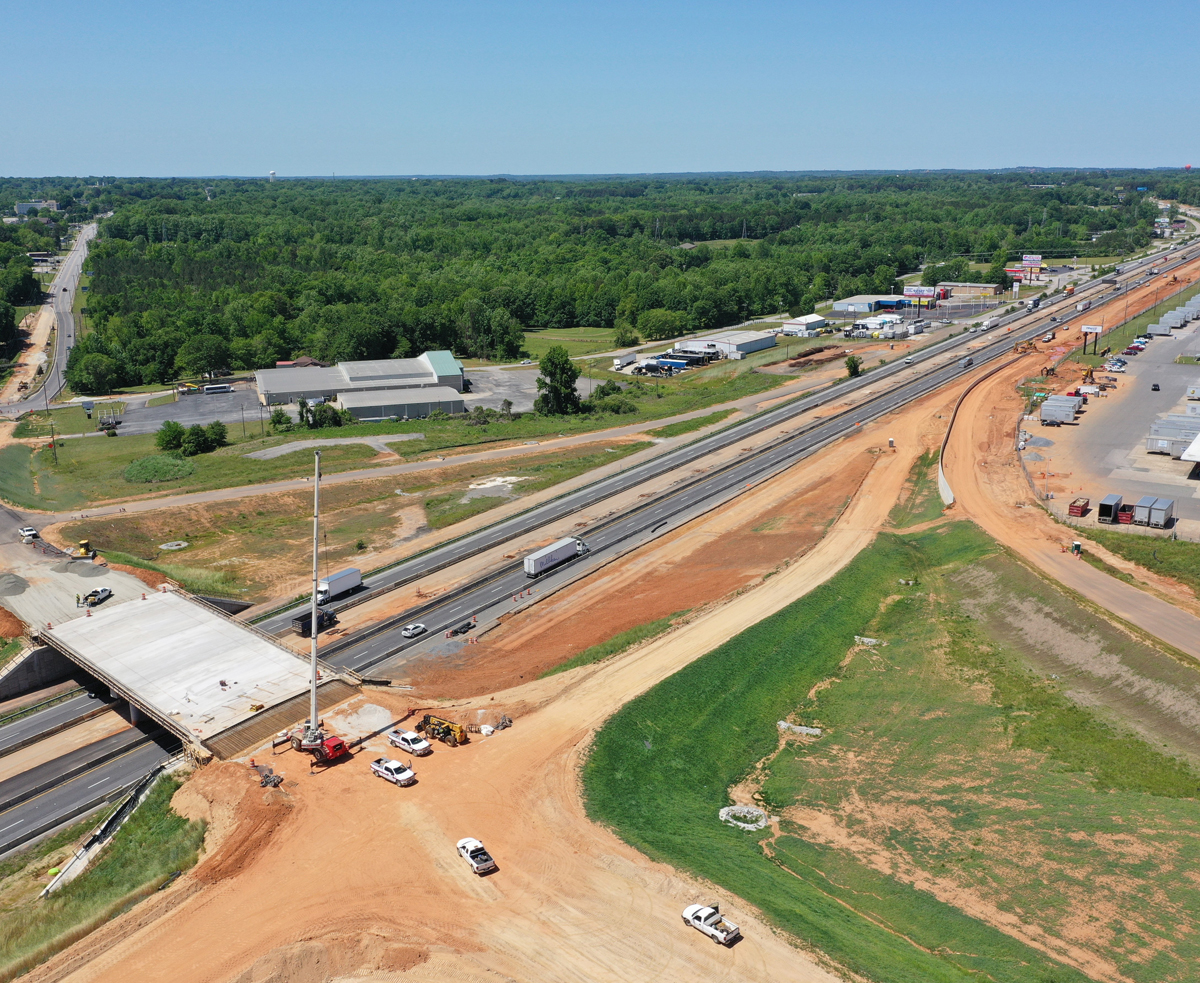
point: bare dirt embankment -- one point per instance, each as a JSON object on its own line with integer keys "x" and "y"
{"x": 337, "y": 874}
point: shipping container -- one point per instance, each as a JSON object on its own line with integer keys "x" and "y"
{"x": 1141, "y": 510}
{"x": 1125, "y": 515}
{"x": 1161, "y": 513}
{"x": 1110, "y": 506}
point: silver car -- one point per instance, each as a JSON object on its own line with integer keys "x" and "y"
{"x": 412, "y": 631}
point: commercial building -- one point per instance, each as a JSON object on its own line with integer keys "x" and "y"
{"x": 413, "y": 404}
{"x": 808, "y": 322}
{"x": 868, "y": 303}
{"x": 23, "y": 207}
{"x": 287, "y": 385}
{"x": 739, "y": 344}
{"x": 961, "y": 290}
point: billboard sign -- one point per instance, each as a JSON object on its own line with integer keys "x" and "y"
{"x": 1093, "y": 329}
{"x": 1031, "y": 261}
{"x": 918, "y": 291}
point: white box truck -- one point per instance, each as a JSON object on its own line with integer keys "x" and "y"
{"x": 1141, "y": 510}
{"x": 338, "y": 584}
{"x": 1083, "y": 305}
{"x": 552, "y": 556}
{"x": 622, "y": 360}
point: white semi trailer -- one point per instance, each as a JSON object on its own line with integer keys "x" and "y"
{"x": 555, "y": 555}
{"x": 338, "y": 584}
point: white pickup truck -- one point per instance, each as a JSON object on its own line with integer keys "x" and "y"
{"x": 393, "y": 771}
{"x": 707, "y": 919}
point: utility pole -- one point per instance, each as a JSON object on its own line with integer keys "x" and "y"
{"x": 242, "y": 410}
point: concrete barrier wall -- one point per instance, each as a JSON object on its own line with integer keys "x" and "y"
{"x": 41, "y": 667}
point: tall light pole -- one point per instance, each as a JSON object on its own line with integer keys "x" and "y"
{"x": 313, "y": 734}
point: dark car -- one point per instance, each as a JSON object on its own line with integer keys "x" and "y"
{"x": 1154, "y": 387}
{"x": 462, "y": 629}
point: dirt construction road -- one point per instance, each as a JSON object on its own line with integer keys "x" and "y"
{"x": 338, "y": 874}
{"x": 981, "y": 466}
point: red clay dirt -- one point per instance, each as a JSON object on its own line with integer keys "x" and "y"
{"x": 338, "y": 875}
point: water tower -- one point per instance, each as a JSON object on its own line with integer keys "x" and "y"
{"x": 272, "y": 177}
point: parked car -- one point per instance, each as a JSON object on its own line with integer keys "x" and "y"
{"x": 410, "y": 741}
{"x": 27, "y": 532}
{"x": 1154, "y": 387}
{"x": 462, "y": 629}
{"x": 479, "y": 860}
{"x": 412, "y": 631}
{"x": 394, "y": 772}
{"x": 97, "y": 596}
{"x": 708, "y": 919}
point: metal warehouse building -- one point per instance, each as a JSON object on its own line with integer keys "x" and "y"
{"x": 738, "y": 344}
{"x": 415, "y": 404}
{"x": 287, "y": 385}
{"x": 867, "y": 303}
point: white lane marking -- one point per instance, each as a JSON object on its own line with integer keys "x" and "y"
{"x": 101, "y": 782}
{"x": 17, "y": 823}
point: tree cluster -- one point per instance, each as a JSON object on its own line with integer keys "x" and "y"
{"x": 193, "y": 440}
{"x": 197, "y": 277}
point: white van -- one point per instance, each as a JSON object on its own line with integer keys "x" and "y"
{"x": 221, "y": 387}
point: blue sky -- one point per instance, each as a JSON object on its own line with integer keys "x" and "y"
{"x": 559, "y": 88}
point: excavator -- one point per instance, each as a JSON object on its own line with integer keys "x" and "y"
{"x": 1089, "y": 376}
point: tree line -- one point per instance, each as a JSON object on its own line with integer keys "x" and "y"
{"x": 195, "y": 277}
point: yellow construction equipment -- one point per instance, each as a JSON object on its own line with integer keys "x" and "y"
{"x": 1089, "y": 376}
{"x": 446, "y": 731}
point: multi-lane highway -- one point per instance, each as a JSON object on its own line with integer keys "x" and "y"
{"x": 650, "y": 517}
{"x": 370, "y": 647}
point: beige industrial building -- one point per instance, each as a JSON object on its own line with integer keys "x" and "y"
{"x": 400, "y": 404}
{"x": 287, "y": 385}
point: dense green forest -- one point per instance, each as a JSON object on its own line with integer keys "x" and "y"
{"x": 196, "y": 275}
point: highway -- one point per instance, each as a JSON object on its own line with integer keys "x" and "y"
{"x": 493, "y": 592}
{"x": 62, "y": 300}
{"x": 371, "y": 647}
{"x": 50, "y": 720}
{"x": 79, "y": 795}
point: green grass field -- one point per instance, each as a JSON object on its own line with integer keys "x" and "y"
{"x": 151, "y": 845}
{"x": 687, "y": 426}
{"x": 951, "y": 756}
{"x": 577, "y": 341}
{"x": 1176, "y": 558}
{"x": 68, "y": 420}
{"x": 161, "y": 400}
{"x": 91, "y": 469}
{"x": 920, "y": 501}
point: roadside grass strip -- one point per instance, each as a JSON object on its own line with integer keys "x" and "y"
{"x": 951, "y": 757}
{"x": 617, "y": 644}
{"x": 153, "y": 844}
{"x": 920, "y": 500}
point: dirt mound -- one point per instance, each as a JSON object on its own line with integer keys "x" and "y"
{"x": 10, "y": 625}
{"x": 331, "y": 956}
{"x": 227, "y": 797}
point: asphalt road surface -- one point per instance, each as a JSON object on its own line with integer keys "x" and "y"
{"x": 37, "y": 724}
{"x": 79, "y": 795}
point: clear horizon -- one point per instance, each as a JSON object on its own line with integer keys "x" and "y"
{"x": 546, "y": 90}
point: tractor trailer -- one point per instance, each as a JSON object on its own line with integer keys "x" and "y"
{"x": 1083, "y": 305}
{"x": 340, "y": 583}
{"x": 555, "y": 555}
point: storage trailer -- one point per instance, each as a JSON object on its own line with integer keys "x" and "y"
{"x": 1109, "y": 509}
{"x": 1141, "y": 510}
{"x": 1161, "y": 513}
{"x": 1056, "y": 414}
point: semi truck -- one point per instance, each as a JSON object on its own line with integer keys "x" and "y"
{"x": 1083, "y": 305}
{"x": 555, "y": 555}
{"x": 338, "y": 584}
{"x": 302, "y": 623}
{"x": 622, "y": 360}
{"x": 1033, "y": 303}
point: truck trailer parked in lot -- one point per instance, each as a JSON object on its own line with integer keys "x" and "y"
{"x": 1161, "y": 513}
{"x": 708, "y": 919}
{"x": 1056, "y": 414}
{"x": 555, "y": 555}
{"x": 1109, "y": 510}
{"x": 1141, "y": 510}
{"x": 340, "y": 583}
